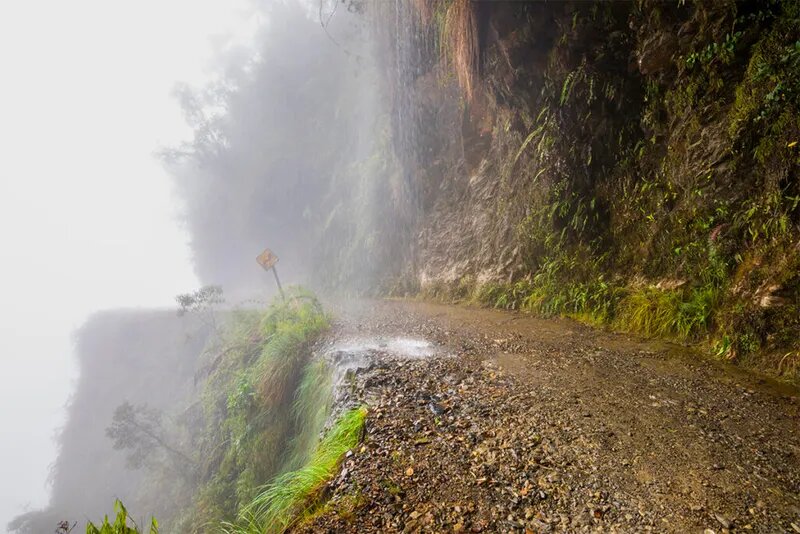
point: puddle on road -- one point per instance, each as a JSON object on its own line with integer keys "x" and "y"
{"x": 407, "y": 347}
{"x": 348, "y": 356}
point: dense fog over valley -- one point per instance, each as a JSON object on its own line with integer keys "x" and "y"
{"x": 228, "y": 100}
{"x": 89, "y": 217}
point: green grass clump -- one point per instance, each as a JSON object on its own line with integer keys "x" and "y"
{"x": 312, "y": 404}
{"x": 291, "y": 496}
{"x": 667, "y": 313}
{"x": 120, "y": 524}
{"x": 680, "y": 314}
{"x": 264, "y": 404}
{"x": 282, "y": 358}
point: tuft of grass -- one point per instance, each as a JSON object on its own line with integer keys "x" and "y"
{"x": 312, "y": 404}
{"x": 649, "y": 311}
{"x": 292, "y": 326}
{"x": 293, "y": 495}
{"x": 670, "y": 314}
{"x": 789, "y": 364}
{"x": 683, "y": 315}
{"x": 120, "y": 524}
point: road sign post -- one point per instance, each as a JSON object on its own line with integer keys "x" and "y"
{"x": 267, "y": 261}
{"x": 278, "y": 281}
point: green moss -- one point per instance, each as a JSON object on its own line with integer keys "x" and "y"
{"x": 348, "y": 506}
{"x": 764, "y": 117}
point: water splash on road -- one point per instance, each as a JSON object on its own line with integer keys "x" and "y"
{"x": 348, "y": 356}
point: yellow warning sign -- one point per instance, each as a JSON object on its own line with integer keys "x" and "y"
{"x": 267, "y": 259}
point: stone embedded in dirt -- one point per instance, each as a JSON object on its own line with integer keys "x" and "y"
{"x": 435, "y": 408}
{"x": 724, "y": 521}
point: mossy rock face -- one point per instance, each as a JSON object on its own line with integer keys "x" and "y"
{"x": 659, "y": 144}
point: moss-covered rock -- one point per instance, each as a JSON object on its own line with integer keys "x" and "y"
{"x": 641, "y": 166}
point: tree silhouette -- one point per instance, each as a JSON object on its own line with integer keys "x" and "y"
{"x": 201, "y": 302}
{"x": 139, "y": 430}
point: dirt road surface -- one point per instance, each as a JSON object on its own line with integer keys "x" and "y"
{"x": 520, "y": 424}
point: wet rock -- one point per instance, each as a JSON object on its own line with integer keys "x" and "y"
{"x": 655, "y": 53}
{"x": 435, "y": 408}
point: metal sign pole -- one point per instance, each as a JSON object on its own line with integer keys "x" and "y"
{"x": 278, "y": 281}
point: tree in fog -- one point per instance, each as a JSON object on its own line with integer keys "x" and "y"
{"x": 202, "y": 302}
{"x": 268, "y": 138}
{"x": 138, "y": 430}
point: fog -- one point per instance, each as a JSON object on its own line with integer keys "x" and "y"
{"x": 289, "y": 150}
{"x": 88, "y": 217}
{"x": 152, "y": 148}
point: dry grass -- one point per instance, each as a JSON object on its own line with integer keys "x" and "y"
{"x": 457, "y": 30}
{"x": 789, "y": 365}
{"x": 461, "y": 46}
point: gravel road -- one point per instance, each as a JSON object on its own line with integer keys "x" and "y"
{"x": 513, "y": 423}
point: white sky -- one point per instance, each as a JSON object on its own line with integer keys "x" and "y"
{"x": 87, "y": 216}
